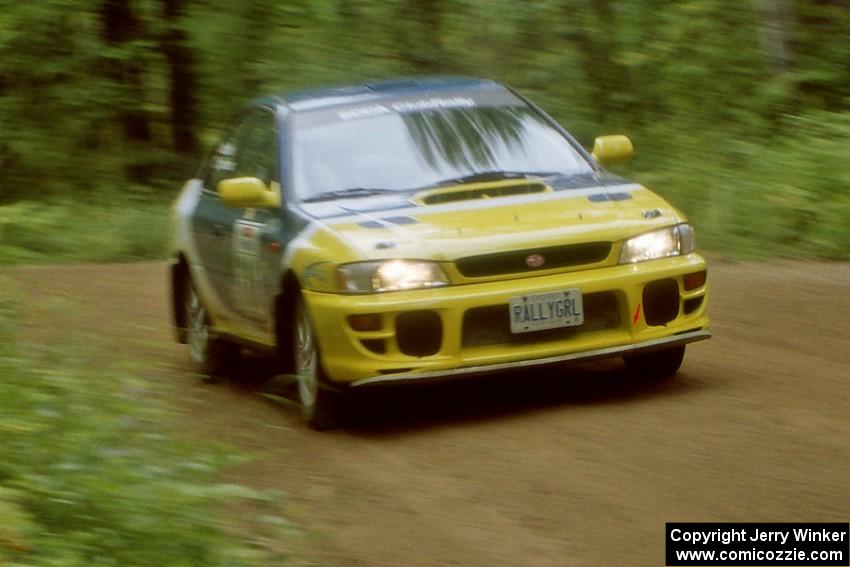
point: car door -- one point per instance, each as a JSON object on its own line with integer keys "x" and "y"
{"x": 257, "y": 233}
{"x": 212, "y": 224}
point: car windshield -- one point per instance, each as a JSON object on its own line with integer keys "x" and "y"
{"x": 370, "y": 150}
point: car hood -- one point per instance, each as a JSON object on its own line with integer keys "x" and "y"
{"x": 388, "y": 227}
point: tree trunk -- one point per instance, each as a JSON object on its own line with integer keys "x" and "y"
{"x": 120, "y": 28}
{"x": 182, "y": 83}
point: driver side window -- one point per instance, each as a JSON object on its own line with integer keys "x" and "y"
{"x": 256, "y": 154}
{"x": 249, "y": 151}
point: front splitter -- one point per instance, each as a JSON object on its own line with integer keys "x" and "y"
{"x": 623, "y": 350}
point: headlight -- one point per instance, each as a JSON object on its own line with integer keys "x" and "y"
{"x": 673, "y": 241}
{"x": 390, "y": 275}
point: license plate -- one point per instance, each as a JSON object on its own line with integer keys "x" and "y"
{"x": 542, "y": 311}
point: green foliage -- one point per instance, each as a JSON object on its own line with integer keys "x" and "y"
{"x": 100, "y": 228}
{"x": 754, "y": 199}
{"x": 90, "y": 474}
{"x": 91, "y": 98}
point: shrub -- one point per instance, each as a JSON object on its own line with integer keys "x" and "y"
{"x": 105, "y": 228}
{"x": 91, "y": 475}
{"x": 785, "y": 194}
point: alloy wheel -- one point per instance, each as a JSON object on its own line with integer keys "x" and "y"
{"x": 306, "y": 359}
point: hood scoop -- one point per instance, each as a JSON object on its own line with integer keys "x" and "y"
{"x": 388, "y": 222}
{"x": 480, "y": 191}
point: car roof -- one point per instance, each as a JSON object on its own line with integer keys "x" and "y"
{"x": 376, "y": 91}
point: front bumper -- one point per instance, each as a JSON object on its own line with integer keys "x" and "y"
{"x": 352, "y": 357}
{"x": 647, "y": 346}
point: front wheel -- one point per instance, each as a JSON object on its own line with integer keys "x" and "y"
{"x": 665, "y": 362}
{"x": 320, "y": 406}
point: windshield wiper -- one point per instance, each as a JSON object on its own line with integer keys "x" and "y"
{"x": 494, "y": 175}
{"x": 345, "y": 193}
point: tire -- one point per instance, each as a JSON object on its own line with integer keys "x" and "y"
{"x": 210, "y": 356}
{"x": 321, "y": 406}
{"x": 658, "y": 363}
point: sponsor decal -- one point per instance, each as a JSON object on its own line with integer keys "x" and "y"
{"x": 636, "y": 316}
{"x": 363, "y": 112}
{"x": 248, "y": 270}
{"x": 406, "y": 106}
{"x": 432, "y": 103}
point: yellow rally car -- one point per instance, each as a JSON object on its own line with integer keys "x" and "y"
{"x": 424, "y": 229}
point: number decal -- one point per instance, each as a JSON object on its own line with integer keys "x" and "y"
{"x": 248, "y": 280}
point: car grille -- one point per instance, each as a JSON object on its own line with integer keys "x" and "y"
{"x": 515, "y": 261}
{"x": 491, "y": 325}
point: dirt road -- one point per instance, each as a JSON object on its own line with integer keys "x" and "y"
{"x": 576, "y": 466}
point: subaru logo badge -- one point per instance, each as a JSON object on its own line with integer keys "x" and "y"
{"x": 535, "y": 261}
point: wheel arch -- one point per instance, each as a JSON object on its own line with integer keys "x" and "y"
{"x": 179, "y": 277}
{"x": 284, "y": 308}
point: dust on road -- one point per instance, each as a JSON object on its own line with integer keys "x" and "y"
{"x": 579, "y": 465}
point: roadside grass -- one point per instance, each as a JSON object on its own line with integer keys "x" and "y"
{"x": 103, "y": 227}
{"x": 751, "y": 198}
{"x": 93, "y": 473}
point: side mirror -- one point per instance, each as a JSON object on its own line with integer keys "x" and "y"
{"x": 611, "y": 150}
{"x": 249, "y": 192}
